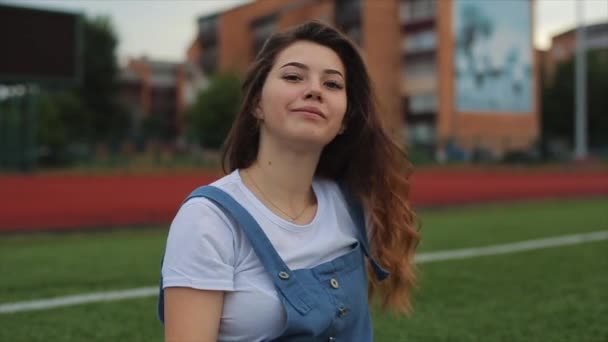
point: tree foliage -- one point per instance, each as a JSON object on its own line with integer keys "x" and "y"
{"x": 88, "y": 112}
{"x": 558, "y": 101}
{"x": 60, "y": 120}
{"x": 99, "y": 89}
{"x": 211, "y": 116}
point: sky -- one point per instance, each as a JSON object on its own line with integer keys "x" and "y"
{"x": 163, "y": 29}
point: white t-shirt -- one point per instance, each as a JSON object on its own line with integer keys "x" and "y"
{"x": 206, "y": 250}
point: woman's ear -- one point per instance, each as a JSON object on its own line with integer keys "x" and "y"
{"x": 257, "y": 113}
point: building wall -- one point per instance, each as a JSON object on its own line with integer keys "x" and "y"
{"x": 234, "y": 28}
{"x": 496, "y": 131}
{"x": 562, "y": 49}
{"x": 418, "y": 73}
{"x": 307, "y": 10}
{"x": 157, "y": 89}
{"x": 381, "y": 50}
{"x": 380, "y": 30}
{"x": 191, "y": 79}
{"x": 563, "y": 45}
{"x": 140, "y": 67}
{"x": 445, "y": 117}
{"x": 193, "y": 54}
{"x": 383, "y": 35}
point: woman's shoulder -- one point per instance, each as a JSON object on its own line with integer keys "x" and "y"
{"x": 200, "y": 216}
{"x": 195, "y": 199}
{"x": 198, "y": 209}
{"x": 200, "y": 213}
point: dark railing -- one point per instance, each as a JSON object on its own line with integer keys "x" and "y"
{"x": 347, "y": 13}
{"x": 209, "y": 60}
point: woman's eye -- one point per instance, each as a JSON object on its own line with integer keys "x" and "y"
{"x": 333, "y": 85}
{"x": 292, "y": 78}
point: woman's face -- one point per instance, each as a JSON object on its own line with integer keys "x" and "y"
{"x": 303, "y": 100}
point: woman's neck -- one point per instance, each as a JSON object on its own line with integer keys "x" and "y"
{"x": 285, "y": 175}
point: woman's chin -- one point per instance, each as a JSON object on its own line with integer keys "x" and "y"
{"x": 309, "y": 142}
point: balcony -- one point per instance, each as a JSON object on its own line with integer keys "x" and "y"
{"x": 207, "y": 31}
{"x": 347, "y": 13}
{"x": 207, "y": 39}
{"x": 413, "y": 11}
{"x": 262, "y": 28}
{"x": 419, "y": 75}
{"x": 209, "y": 60}
{"x": 422, "y": 104}
{"x": 419, "y": 42}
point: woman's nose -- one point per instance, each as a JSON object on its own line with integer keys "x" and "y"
{"x": 314, "y": 91}
{"x": 313, "y": 94}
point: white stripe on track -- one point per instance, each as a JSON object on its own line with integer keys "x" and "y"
{"x": 455, "y": 254}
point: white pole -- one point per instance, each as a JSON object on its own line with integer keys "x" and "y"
{"x": 580, "y": 86}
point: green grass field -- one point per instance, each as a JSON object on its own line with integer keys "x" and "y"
{"x": 552, "y": 294}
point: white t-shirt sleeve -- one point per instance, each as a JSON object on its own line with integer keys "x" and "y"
{"x": 200, "y": 248}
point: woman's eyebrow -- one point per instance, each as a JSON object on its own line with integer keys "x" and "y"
{"x": 305, "y": 67}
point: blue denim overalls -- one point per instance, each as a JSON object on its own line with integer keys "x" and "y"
{"x": 325, "y": 303}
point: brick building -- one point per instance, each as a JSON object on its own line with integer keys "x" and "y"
{"x": 149, "y": 87}
{"x": 563, "y": 45}
{"x": 408, "y": 46}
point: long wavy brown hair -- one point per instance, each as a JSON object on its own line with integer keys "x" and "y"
{"x": 365, "y": 158}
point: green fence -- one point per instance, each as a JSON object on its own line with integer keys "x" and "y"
{"x": 17, "y": 133}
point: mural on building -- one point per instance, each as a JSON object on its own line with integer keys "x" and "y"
{"x": 492, "y": 56}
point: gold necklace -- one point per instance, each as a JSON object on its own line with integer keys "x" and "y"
{"x": 291, "y": 218}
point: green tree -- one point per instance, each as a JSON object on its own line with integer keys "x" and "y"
{"x": 99, "y": 89}
{"x": 558, "y": 101}
{"x": 60, "y": 120}
{"x": 156, "y": 127}
{"x": 88, "y": 112}
{"x": 211, "y": 116}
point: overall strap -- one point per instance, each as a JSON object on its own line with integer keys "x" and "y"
{"x": 283, "y": 278}
{"x": 356, "y": 213}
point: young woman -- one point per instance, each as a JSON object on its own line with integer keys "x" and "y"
{"x": 276, "y": 249}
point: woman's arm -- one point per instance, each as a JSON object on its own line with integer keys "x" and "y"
{"x": 192, "y": 315}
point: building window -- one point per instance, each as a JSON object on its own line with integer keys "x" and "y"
{"x": 348, "y": 18}
{"x": 207, "y": 37}
{"x": 419, "y": 68}
{"x": 262, "y": 29}
{"x": 597, "y": 40}
{"x": 207, "y": 29}
{"x": 209, "y": 59}
{"x": 419, "y": 41}
{"x": 421, "y": 134}
{"x": 208, "y": 24}
{"x": 348, "y": 13}
{"x": 423, "y": 103}
{"x": 415, "y": 10}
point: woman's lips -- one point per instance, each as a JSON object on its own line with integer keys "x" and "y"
{"x": 309, "y": 110}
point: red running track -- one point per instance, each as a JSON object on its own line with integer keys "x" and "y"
{"x": 43, "y": 202}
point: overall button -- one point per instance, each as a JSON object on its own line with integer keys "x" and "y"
{"x": 332, "y": 339}
{"x": 342, "y": 311}
{"x": 283, "y": 275}
{"x": 334, "y": 283}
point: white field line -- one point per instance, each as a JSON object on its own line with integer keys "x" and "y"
{"x": 78, "y": 299}
{"x": 420, "y": 258}
{"x": 511, "y": 247}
